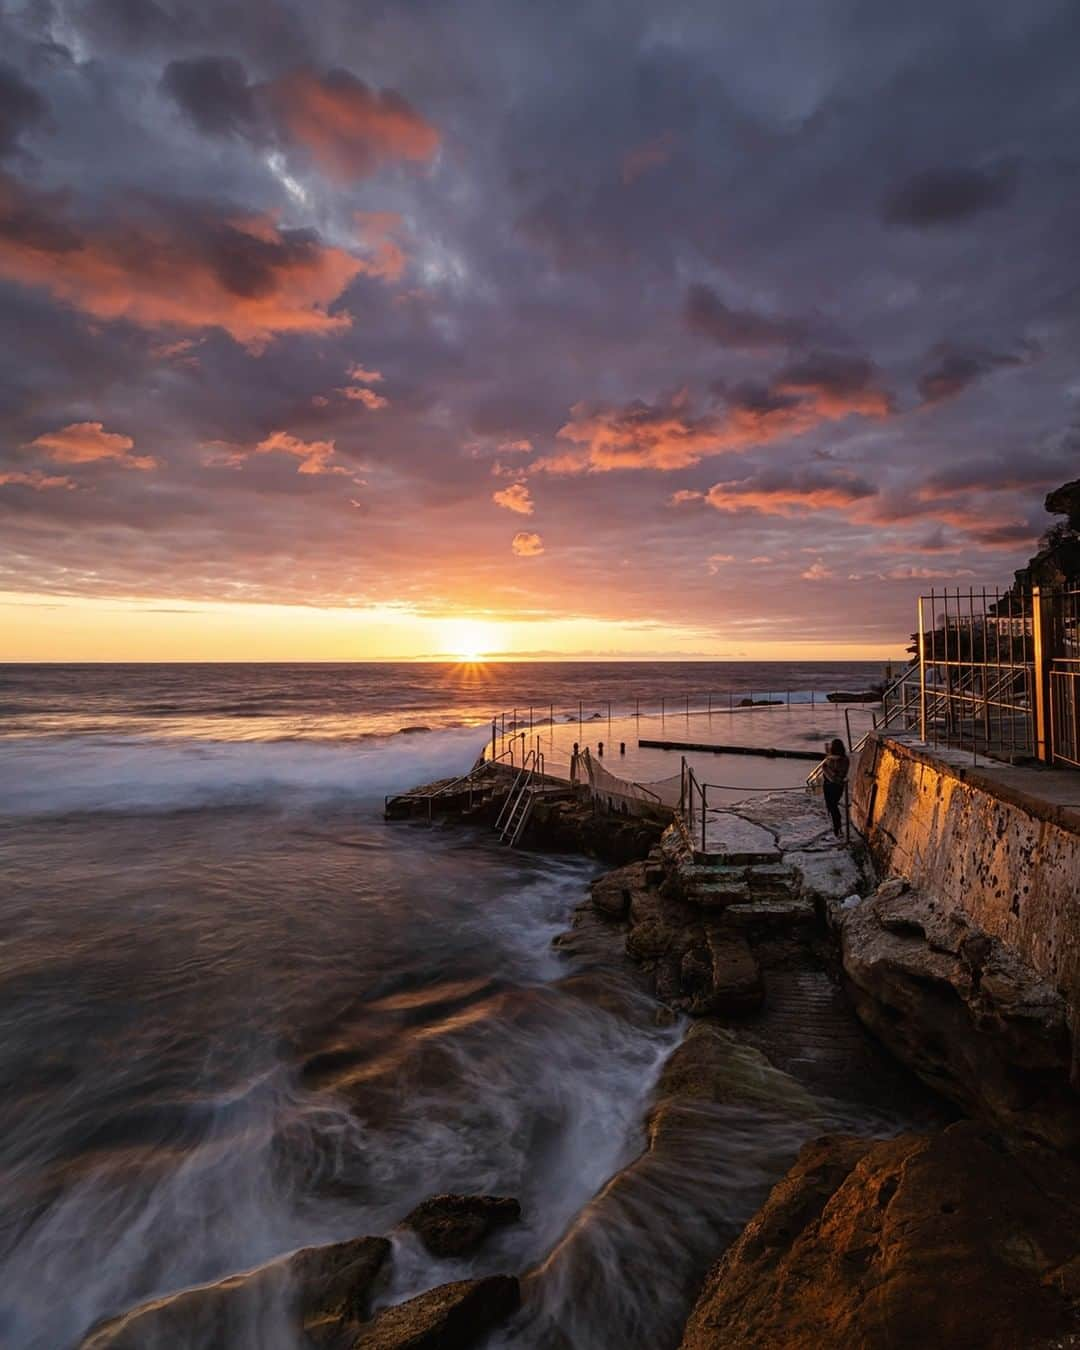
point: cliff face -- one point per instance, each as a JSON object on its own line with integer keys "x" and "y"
{"x": 940, "y": 1240}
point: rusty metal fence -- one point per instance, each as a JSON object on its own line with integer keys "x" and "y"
{"x": 1064, "y": 679}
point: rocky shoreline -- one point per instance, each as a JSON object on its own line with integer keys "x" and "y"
{"x": 779, "y": 951}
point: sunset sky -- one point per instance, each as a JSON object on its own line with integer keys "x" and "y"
{"x": 404, "y": 329}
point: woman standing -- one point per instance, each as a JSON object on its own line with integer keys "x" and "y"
{"x": 835, "y": 780}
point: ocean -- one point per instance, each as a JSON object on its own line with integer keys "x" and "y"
{"x": 240, "y": 1013}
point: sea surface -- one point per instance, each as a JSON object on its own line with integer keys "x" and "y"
{"x": 240, "y": 1014}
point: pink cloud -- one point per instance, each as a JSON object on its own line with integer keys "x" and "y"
{"x": 348, "y": 128}
{"x": 516, "y": 497}
{"x": 379, "y": 231}
{"x": 176, "y": 267}
{"x": 361, "y": 375}
{"x": 89, "y": 442}
{"x": 518, "y": 447}
{"x": 40, "y": 482}
{"x": 817, "y": 571}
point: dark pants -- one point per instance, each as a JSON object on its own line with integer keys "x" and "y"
{"x": 834, "y": 795}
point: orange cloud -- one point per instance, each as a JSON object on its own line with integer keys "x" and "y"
{"x": 314, "y": 456}
{"x": 516, "y": 497}
{"x": 666, "y": 436}
{"x": 780, "y": 493}
{"x": 527, "y": 545}
{"x": 817, "y": 571}
{"x": 35, "y": 479}
{"x": 519, "y": 447}
{"x": 360, "y": 375}
{"x": 368, "y": 397}
{"x": 346, "y": 127}
{"x": 176, "y": 267}
{"x": 89, "y": 442}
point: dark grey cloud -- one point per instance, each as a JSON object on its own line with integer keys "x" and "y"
{"x": 214, "y": 92}
{"x": 21, "y": 107}
{"x": 742, "y": 329}
{"x": 943, "y": 196}
{"x": 956, "y": 368}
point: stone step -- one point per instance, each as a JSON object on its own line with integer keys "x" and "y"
{"x": 785, "y": 913}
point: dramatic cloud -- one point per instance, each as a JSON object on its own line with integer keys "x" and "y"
{"x": 527, "y": 545}
{"x": 314, "y": 456}
{"x": 347, "y": 128}
{"x": 822, "y": 388}
{"x": 178, "y": 265}
{"x": 516, "y": 497}
{"x": 955, "y": 369}
{"x": 943, "y": 196}
{"x": 741, "y": 329}
{"x": 781, "y": 492}
{"x": 89, "y": 442}
{"x": 21, "y": 107}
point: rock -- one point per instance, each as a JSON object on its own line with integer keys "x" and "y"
{"x": 451, "y": 1317}
{"x": 611, "y": 893}
{"x": 713, "y": 1065}
{"x": 316, "y": 1290}
{"x": 455, "y": 1225}
{"x": 574, "y": 826}
{"x": 891, "y": 889}
{"x": 737, "y": 840}
{"x": 736, "y": 980}
{"x": 940, "y": 1240}
{"x": 964, "y": 1012}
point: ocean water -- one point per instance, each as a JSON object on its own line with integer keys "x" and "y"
{"x": 239, "y": 1013}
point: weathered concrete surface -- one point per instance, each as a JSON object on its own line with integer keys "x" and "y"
{"x": 981, "y": 841}
{"x": 940, "y": 1240}
{"x": 961, "y": 1009}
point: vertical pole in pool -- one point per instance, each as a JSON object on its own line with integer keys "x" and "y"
{"x": 493, "y": 738}
{"x": 703, "y": 810}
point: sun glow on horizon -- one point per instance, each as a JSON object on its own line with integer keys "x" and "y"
{"x": 469, "y": 640}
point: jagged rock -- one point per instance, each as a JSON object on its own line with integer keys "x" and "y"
{"x": 573, "y": 825}
{"x": 825, "y": 876}
{"x": 455, "y": 1225}
{"x": 611, "y": 893}
{"x": 315, "y": 1291}
{"x": 451, "y": 1317}
{"x": 940, "y": 1240}
{"x": 735, "y": 977}
{"x": 963, "y": 1011}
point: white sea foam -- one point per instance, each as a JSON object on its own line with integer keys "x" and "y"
{"x": 58, "y": 776}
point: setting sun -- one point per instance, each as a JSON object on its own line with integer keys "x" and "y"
{"x": 469, "y": 639}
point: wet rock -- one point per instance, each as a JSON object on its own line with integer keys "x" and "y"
{"x": 451, "y": 1317}
{"x": 713, "y": 1065}
{"x": 316, "y": 1291}
{"x": 611, "y": 893}
{"x": 735, "y": 977}
{"x": 456, "y": 1225}
{"x": 963, "y": 1011}
{"x": 573, "y": 825}
{"x": 940, "y": 1240}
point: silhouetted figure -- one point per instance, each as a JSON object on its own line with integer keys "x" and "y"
{"x": 835, "y": 780}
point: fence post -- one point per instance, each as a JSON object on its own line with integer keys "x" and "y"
{"x": 1040, "y": 629}
{"x": 703, "y": 808}
{"x": 493, "y": 724}
{"x": 922, "y": 674}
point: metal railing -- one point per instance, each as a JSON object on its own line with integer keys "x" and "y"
{"x": 1065, "y": 711}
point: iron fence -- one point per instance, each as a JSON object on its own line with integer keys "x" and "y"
{"x": 997, "y": 674}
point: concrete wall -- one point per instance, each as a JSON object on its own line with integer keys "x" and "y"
{"x": 984, "y": 840}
